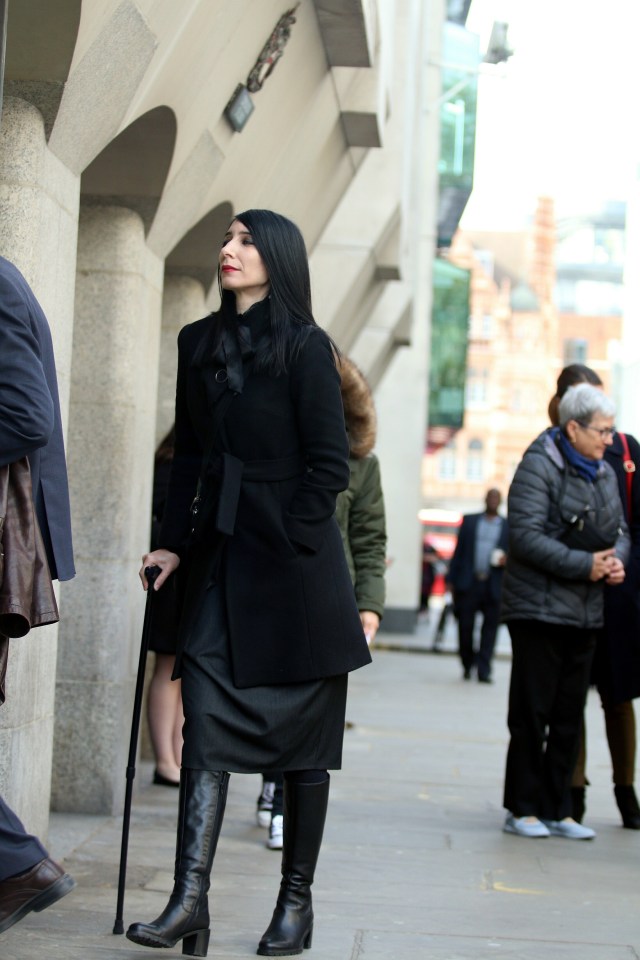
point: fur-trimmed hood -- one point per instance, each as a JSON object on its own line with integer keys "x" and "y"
{"x": 359, "y": 409}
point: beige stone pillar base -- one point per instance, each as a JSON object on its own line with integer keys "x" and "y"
{"x": 110, "y": 453}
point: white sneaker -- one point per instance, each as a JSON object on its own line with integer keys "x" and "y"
{"x": 275, "y": 833}
{"x": 525, "y": 826}
{"x": 265, "y": 804}
{"x": 569, "y": 829}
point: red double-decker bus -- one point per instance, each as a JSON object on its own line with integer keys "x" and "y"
{"x": 440, "y": 532}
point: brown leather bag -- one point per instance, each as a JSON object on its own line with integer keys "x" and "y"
{"x": 26, "y": 592}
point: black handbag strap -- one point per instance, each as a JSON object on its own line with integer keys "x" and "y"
{"x": 563, "y": 489}
{"x": 629, "y": 468}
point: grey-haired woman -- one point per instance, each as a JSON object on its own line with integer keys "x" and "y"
{"x": 567, "y": 537}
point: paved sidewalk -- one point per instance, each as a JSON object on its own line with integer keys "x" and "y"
{"x": 415, "y": 865}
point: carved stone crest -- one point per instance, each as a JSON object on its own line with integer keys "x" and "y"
{"x": 272, "y": 51}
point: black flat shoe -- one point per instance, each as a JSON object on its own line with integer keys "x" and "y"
{"x": 164, "y": 781}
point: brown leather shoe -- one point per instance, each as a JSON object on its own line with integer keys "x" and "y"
{"x": 34, "y": 890}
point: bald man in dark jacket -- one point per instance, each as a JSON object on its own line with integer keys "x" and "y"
{"x": 475, "y": 578}
{"x": 31, "y": 426}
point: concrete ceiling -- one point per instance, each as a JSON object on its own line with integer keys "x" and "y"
{"x": 134, "y": 166}
{"x": 41, "y": 39}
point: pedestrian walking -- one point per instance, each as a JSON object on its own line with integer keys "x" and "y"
{"x": 31, "y": 445}
{"x": 475, "y": 580}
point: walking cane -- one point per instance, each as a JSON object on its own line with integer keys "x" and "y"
{"x": 151, "y": 573}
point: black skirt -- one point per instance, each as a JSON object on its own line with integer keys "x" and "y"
{"x": 294, "y": 726}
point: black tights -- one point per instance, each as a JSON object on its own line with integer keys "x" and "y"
{"x": 306, "y": 776}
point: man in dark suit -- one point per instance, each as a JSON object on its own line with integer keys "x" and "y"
{"x": 30, "y": 425}
{"x": 475, "y": 579}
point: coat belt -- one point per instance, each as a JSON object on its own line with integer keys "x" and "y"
{"x": 232, "y": 473}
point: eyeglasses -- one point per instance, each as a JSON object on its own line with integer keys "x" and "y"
{"x": 607, "y": 433}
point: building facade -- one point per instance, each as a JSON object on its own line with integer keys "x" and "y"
{"x": 131, "y": 132}
{"x": 539, "y": 300}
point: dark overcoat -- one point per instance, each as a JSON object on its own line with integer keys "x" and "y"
{"x": 30, "y": 421}
{"x": 461, "y": 569}
{"x": 616, "y": 665}
{"x": 282, "y": 453}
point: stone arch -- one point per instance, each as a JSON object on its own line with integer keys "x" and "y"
{"x": 195, "y": 255}
{"x": 42, "y": 38}
{"x": 132, "y": 169}
{"x": 189, "y": 280}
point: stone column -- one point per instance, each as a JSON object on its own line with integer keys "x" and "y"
{"x": 111, "y": 443}
{"x": 38, "y": 232}
{"x": 183, "y": 302}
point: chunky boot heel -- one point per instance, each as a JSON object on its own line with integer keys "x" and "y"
{"x": 203, "y": 794}
{"x": 196, "y": 944}
{"x": 291, "y": 928}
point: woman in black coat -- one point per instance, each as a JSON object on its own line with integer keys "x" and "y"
{"x": 616, "y": 664}
{"x": 270, "y": 627}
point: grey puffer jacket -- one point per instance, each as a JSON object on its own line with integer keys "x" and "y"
{"x": 544, "y": 579}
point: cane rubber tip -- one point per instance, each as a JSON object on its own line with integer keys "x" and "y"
{"x": 118, "y": 927}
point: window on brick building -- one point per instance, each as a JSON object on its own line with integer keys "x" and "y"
{"x": 475, "y": 460}
{"x": 487, "y": 325}
{"x": 447, "y": 462}
{"x": 574, "y": 350}
{"x": 476, "y": 388}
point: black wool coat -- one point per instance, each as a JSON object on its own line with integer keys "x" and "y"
{"x": 282, "y": 451}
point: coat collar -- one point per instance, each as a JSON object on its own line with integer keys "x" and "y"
{"x": 546, "y": 443}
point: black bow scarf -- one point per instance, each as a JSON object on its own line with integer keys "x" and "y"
{"x": 223, "y": 367}
{"x": 243, "y": 338}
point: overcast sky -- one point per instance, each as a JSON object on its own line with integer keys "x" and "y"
{"x": 564, "y": 119}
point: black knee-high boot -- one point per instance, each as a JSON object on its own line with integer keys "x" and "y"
{"x": 291, "y": 927}
{"x": 203, "y": 794}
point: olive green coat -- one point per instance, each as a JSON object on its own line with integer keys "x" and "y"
{"x": 360, "y": 508}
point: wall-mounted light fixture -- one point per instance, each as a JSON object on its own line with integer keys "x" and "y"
{"x": 239, "y": 108}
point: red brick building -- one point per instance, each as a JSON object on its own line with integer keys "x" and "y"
{"x": 519, "y": 340}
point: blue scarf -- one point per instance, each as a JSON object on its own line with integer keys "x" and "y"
{"x": 584, "y": 466}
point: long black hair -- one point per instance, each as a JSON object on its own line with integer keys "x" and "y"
{"x": 281, "y": 246}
